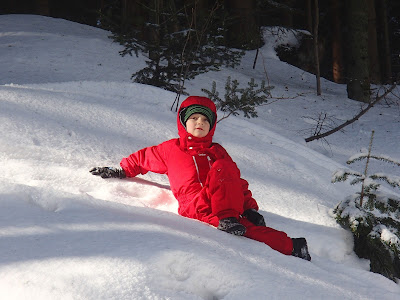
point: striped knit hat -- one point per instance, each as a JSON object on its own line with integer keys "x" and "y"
{"x": 198, "y": 109}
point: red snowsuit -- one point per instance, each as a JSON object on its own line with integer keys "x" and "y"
{"x": 204, "y": 179}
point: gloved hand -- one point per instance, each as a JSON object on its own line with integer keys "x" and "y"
{"x": 108, "y": 172}
{"x": 254, "y": 217}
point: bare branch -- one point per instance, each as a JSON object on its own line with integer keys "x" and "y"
{"x": 355, "y": 118}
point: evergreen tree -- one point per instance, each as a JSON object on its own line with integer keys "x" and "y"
{"x": 375, "y": 223}
{"x": 182, "y": 40}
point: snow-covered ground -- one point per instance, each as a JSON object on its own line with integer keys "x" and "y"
{"x": 67, "y": 104}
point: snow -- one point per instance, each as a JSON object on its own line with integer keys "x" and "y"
{"x": 386, "y": 235}
{"x": 67, "y": 104}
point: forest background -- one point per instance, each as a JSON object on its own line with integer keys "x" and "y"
{"x": 355, "y": 42}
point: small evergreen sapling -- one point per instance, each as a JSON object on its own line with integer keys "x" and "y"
{"x": 239, "y": 99}
{"x": 375, "y": 223}
{"x": 178, "y": 39}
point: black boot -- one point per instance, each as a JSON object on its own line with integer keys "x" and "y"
{"x": 231, "y": 225}
{"x": 300, "y": 249}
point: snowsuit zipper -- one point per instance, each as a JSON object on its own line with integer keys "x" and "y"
{"x": 197, "y": 166}
{"x": 197, "y": 170}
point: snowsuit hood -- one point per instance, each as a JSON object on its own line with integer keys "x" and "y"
{"x": 188, "y": 142}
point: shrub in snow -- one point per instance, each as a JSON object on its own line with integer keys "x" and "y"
{"x": 239, "y": 99}
{"x": 373, "y": 216}
{"x": 179, "y": 43}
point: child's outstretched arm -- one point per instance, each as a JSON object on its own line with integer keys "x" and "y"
{"x": 140, "y": 162}
{"x": 147, "y": 159}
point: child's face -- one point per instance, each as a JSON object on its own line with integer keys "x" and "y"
{"x": 197, "y": 125}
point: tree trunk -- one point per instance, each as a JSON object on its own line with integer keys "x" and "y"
{"x": 337, "y": 42}
{"x": 42, "y": 7}
{"x": 358, "y": 84}
{"x": 287, "y": 14}
{"x": 386, "y": 57}
{"x": 243, "y": 33}
{"x": 154, "y": 30}
{"x": 309, "y": 16}
{"x": 316, "y": 54}
{"x": 374, "y": 67}
{"x": 124, "y": 13}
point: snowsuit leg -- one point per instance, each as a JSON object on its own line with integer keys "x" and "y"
{"x": 225, "y": 189}
{"x": 277, "y": 240}
{"x": 222, "y": 197}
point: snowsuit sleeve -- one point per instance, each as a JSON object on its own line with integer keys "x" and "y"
{"x": 249, "y": 201}
{"x": 145, "y": 160}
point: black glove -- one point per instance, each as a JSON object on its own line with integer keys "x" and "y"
{"x": 254, "y": 217}
{"x": 108, "y": 172}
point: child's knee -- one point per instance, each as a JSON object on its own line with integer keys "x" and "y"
{"x": 222, "y": 173}
{"x": 225, "y": 165}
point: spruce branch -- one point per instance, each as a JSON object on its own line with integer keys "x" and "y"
{"x": 238, "y": 99}
{"x": 393, "y": 181}
{"x": 341, "y": 175}
{"x": 369, "y": 182}
{"x": 382, "y": 158}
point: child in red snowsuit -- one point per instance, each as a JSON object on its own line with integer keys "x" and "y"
{"x": 205, "y": 180}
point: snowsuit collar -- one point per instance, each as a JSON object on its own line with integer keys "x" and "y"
{"x": 188, "y": 142}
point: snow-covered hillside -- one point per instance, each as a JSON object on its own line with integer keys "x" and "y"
{"x": 67, "y": 104}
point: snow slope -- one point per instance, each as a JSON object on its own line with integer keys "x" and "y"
{"x": 67, "y": 104}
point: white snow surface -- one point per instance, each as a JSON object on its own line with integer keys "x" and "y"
{"x": 67, "y": 104}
